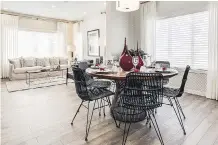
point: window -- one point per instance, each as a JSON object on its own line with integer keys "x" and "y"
{"x": 183, "y": 40}
{"x": 40, "y": 44}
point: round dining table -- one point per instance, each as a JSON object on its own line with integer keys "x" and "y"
{"x": 120, "y": 76}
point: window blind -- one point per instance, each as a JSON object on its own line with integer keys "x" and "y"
{"x": 183, "y": 40}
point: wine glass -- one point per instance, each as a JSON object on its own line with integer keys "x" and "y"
{"x": 135, "y": 61}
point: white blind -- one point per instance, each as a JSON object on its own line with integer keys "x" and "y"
{"x": 183, "y": 40}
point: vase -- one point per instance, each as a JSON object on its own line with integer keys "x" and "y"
{"x": 140, "y": 61}
{"x": 126, "y": 59}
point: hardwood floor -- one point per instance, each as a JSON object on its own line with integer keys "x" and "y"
{"x": 43, "y": 116}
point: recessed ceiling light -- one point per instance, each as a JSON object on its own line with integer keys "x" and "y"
{"x": 104, "y": 3}
{"x": 53, "y": 6}
{"x": 84, "y": 13}
{"x": 5, "y": 8}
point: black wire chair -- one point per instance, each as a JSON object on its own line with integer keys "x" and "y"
{"x": 143, "y": 92}
{"x": 89, "y": 92}
{"x": 173, "y": 94}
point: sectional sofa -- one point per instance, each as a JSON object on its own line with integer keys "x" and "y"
{"x": 19, "y": 66}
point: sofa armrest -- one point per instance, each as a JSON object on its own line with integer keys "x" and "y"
{"x": 11, "y": 69}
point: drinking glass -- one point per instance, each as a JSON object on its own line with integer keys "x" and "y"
{"x": 135, "y": 61}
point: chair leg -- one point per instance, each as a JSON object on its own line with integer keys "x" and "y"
{"x": 99, "y": 107}
{"x": 67, "y": 77}
{"x": 154, "y": 122}
{"x": 103, "y": 102}
{"x": 115, "y": 121}
{"x": 180, "y": 108}
{"x": 125, "y": 133}
{"x": 77, "y": 112}
{"x": 177, "y": 115}
{"x": 89, "y": 122}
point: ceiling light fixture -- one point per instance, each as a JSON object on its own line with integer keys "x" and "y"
{"x": 127, "y": 5}
{"x": 84, "y": 13}
{"x": 5, "y": 8}
{"x": 53, "y": 6}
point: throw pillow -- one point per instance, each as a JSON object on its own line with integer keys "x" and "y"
{"x": 63, "y": 61}
{"x": 29, "y": 62}
{"x": 54, "y": 61}
{"x": 40, "y": 62}
{"x": 47, "y": 62}
{"x": 16, "y": 62}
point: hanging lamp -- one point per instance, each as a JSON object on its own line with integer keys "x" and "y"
{"x": 127, "y": 5}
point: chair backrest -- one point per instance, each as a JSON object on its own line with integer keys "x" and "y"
{"x": 83, "y": 65}
{"x": 184, "y": 79}
{"x": 143, "y": 91}
{"x": 163, "y": 63}
{"x": 80, "y": 83}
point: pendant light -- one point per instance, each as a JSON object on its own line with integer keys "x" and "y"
{"x": 127, "y": 5}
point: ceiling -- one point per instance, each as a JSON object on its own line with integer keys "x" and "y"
{"x": 68, "y": 10}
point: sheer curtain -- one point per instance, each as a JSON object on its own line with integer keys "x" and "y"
{"x": 77, "y": 40}
{"x": 61, "y": 49}
{"x": 37, "y": 44}
{"x": 148, "y": 28}
{"x": 9, "y": 41}
{"x": 212, "y": 75}
{"x": 43, "y": 44}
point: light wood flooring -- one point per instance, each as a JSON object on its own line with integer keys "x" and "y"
{"x": 43, "y": 116}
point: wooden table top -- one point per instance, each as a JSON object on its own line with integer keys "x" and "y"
{"x": 122, "y": 75}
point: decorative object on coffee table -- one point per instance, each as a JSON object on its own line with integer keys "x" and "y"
{"x": 93, "y": 42}
{"x": 126, "y": 59}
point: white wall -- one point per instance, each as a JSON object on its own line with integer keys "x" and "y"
{"x": 134, "y": 29}
{"x": 92, "y": 23}
{"x": 117, "y": 29}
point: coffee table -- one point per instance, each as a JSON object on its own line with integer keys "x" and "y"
{"x": 47, "y": 71}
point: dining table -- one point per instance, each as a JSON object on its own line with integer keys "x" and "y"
{"x": 119, "y": 77}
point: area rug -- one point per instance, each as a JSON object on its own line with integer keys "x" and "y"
{"x": 21, "y": 85}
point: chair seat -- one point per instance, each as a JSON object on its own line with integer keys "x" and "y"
{"x": 97, "y": 93}
{"x": 99, "y": 84}
{"x": 170, "y": 92}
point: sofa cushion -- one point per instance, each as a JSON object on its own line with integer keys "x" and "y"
{"x": 29, "y": 62}
{"x": 54, "y": 61}
{"x": 25, "y": 69}
{"x": 16, "y": 62}
{"x": 47, "y": 62}
{"x": 40, "y": 62}
{"x": 63, "y": 60}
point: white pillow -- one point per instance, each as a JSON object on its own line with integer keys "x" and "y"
{"x": 54, "y": 61}
{"x": 40, "y": 62}
{"x": 47, "y": 62}
{"x": 29, "y": 62}
{"x": 16, "y": 62}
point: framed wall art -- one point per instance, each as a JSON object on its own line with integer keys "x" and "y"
{"x": 93, "y": 42}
